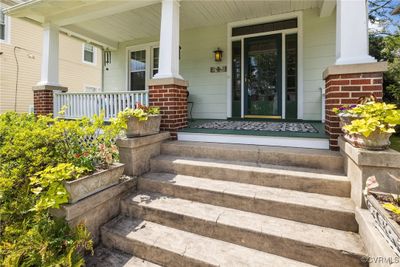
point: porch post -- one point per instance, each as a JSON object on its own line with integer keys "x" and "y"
{"x": 169, "y": 41}
{"x": 43, "y": 91}
{"x": 355, "y": 73}
{"x": 352, "y": 32}
{"x": 167, "y": 89}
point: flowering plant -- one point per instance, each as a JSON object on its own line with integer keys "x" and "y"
{"x": 107, "y": 154}
{"x": 373, "y": 116}
{"x": 141, "y": 112}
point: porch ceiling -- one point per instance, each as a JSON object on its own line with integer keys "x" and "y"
{"x": 111, "y": 22}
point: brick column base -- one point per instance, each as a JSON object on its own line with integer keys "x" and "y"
{"x": 43, "y": 98}
{"x": 171, "y": 96}
{"x": 345, "y": 84}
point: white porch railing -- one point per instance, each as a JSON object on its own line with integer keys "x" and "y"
{"x": 80, "y": 105}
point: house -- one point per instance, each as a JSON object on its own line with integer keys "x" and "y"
{"x": 290, "y": 61}
{"x": 277, "y": 64}
{"x": 21, "y": 45}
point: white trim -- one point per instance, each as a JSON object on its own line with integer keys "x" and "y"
{"x": 94, "y": 63}
{"x": 318, "y": 143}
{"x": 149, "y": 58}
{"x": 283, "y": 83}
{"x": 7, "y": 31}
{"x": 298, "y": 30}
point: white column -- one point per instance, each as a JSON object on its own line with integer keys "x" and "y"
{"x": 352, "y": 32}
{"x": 169, "y": 41}
{"x": 49, "y": 70}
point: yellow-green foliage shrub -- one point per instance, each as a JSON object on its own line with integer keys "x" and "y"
{"x": 36, "y": 156}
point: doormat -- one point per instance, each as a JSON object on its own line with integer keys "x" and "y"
{"x": 300, "y": 127}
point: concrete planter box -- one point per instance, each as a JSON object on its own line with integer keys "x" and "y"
{"x": 91, "y": 184}
{"x": 388, "y": 228}
{"x": 142, "y": 128}
{"x": 376, "y": 140}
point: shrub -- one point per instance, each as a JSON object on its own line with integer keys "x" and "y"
{"x": 36, "y": 155}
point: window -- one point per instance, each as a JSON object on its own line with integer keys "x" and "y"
{"x": 89, "y": 54}
{"x": 155, "y": 60}
{"x": 3, "y": 26}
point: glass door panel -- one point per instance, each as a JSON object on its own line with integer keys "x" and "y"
{"x": 263, "y": 76}
{"x": 236, "y": 78}
{"x": 138, "y": 70}
{"x": 291, "y": 76}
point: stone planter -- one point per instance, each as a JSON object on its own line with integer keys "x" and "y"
{"x": 142, "y": 128}
{"x": 388, "y": 228}
{"x": 375, "y": 141}
{"x": 91, "y": 184}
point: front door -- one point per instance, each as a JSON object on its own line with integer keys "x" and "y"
{"x": 263, "y": 76}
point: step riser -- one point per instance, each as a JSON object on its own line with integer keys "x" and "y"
{"x": 311, "y": 185}
{"x": 306, "y": 252}
{"x": 317, "y": 216}
{"x": 148, "y": 252}
{"x": 252, "y": 154}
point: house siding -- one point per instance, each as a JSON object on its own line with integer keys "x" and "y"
{"x": 73, "y": 73}
{"x": 208, "y": 90}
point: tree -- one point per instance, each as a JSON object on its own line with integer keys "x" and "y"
{"x": 385, "y": 44}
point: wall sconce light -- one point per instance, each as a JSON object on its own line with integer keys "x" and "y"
{"x": 218, "y": 55}
{"x": 107, "y": 57}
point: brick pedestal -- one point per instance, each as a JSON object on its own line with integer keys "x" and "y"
{"x": 171, "y": 96}
{"x": 345, "y": 84}
{"x": 43, "y": 98}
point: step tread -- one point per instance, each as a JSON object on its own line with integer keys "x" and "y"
{"x": 348, "y": 242}
{"x": 108, "y": 257}
{"x": 257, "y": 167}
{"x": 257, "y": 192}
{"x": 199, "y": 248}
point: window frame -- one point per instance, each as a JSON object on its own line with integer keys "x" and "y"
{"x": 94, "y": 54}
{"x": 7, "y": 25}
{"x": 149, "y": 47}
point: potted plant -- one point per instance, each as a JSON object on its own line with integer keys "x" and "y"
{"x": 106, "y": 173}
{"x": 385, "y": 209}
{"x": 140, "y": 121}
{"x": 369, "y": 125}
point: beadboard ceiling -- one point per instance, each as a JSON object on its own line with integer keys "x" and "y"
{"x": 141, "y": 18}
{"x": 145, "y": 22}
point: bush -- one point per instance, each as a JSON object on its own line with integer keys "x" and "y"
{"x": 36, "y": 155}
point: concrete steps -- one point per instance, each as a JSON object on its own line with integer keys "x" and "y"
{"x": 109, "y": 257}
{"x": 283, "y": 156}
{"x": 168, "y": 246}
{"x": 319, "y": 245}
{"x": 323, "y": 210}
{"x": 293, "y": 178}
{"x": 214, "y": 204}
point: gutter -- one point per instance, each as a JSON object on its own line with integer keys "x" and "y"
{"x": 14, "y": 9}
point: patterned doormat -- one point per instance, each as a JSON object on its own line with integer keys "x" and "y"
{"x": 300, "y": 127}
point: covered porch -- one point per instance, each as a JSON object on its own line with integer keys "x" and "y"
{"x": 271, "y": 55}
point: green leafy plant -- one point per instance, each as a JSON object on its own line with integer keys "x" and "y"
{"x": 37, "y": 154}
{"x": 374, "y": 116}
{"x": 140, "y": 111}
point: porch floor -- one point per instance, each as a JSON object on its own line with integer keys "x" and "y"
{"x": 304, "y": 134}
{"x": 281, "y": 128}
